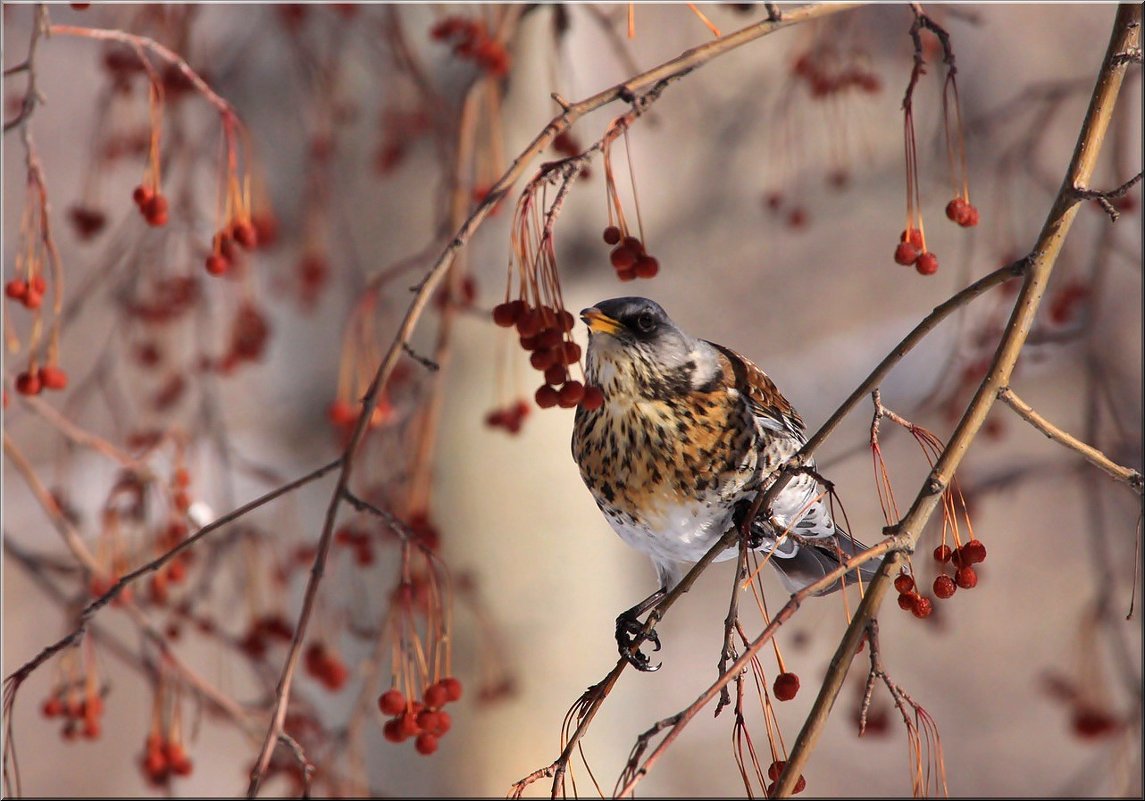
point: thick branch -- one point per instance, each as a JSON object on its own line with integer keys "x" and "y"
{"x": 1125, "y": 35}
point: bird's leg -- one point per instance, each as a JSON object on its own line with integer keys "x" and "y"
{"x": 630, "y": 632}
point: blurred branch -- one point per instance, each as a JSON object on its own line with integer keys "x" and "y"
{"x": 1091, "y": 454}
{"x": 1125, "y": 35}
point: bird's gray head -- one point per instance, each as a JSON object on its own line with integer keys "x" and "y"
{"x": 635, "y": 349}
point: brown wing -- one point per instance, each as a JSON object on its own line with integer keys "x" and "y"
{"x": 766, "y": 400}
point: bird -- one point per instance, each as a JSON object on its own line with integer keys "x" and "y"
{"x": 688, "y": 433}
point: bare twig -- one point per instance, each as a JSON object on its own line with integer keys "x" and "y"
{"x": 1103, "y": 198}
{"x": 1090, "y": 453}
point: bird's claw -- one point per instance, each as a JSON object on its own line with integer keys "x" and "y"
{"x": 629, "y": 633}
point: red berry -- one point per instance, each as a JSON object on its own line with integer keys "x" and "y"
{"x": 626, "y": 274}
{"x": 544, "y": 358}
{"x": 944, "y": 586}
{"x": 906, "y": 254}
{"x": 391, "y": 702}
{"x": 906, "y": 601}
{"x": 570, "y": 394}
{"x": 927, "y": 263}
{"x": 53, "y": 377}
{"x": 786, "y": 686}
{"x": 52, "y": 707}
{"x": 969, "y": 217}
{"x": 800, "y": 785}
{"x": 245, "y": 234}
{"x": 633, "y": 244}
{"x": 217, "y": 264}
{"x": 570, "y": 352}
{"x": 622, "y": 258}
{"x": 904, "y": 583}
{"x": 922, "y": 607}
{"x": 452, "y": 688}
{"x": 435, "y": 696}
{"x": 546, "y": 397}
{"x": 942, "y": 553}
{"x": 966, "y": 577}
{"x": 28, "y": 383}
{"x": 426, "y": 744}
{"x": 33, "y": 298}
{"x": 407, "y": 723}
{"x": 611, "y": 235}
{"x": 427, "y": 720}
{"x": 646, "y": 267}
{"x": 775, "y": 769}
{"x": 914, "y": 236}
{"x": 392, "y": 731}
{"x": 556, "y": 375}
{"x": 505, "y": 314}
{"x": 593, "y": 398}
{"x": 141, "y": 194}
{"x": 956, "y": 209}
{"x": 155, "y": 210}
{"x": 444, "y": 723}
{"x": 973, "y": 552}
{"x": 16, "y": 289}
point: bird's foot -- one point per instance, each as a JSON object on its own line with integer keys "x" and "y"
{"x": 630, "y": 635}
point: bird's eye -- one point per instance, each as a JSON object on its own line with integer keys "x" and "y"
{"x": 646, "y": 323}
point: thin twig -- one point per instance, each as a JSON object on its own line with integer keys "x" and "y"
{"x": 1090, "y": 453}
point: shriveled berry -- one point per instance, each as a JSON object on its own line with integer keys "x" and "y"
{"x": 786, "y": 686}
{"x": 611, "y": 235}
{"x": 425, "y": 744}
{"x": 966, "y": 577}
{"x": 942, "y": 553}
{"x": 906, "y": 601}
{"x": 922, "y": 606}
{"x": 904, "y": 583}
{"x": 944, "y": 586}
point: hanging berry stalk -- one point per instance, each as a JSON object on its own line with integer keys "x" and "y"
{"x": 629, "y": 256}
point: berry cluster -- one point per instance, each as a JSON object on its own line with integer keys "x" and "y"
{"x": 81, "y": 715}
{"x": 36, "y": 379}
{"x": 774, "y": 770}
{"x": 545, "y": 332}
{"x": 825, "y": 74}
{"x": 426, "y": 720}
{"x": 962, "y": 559}
{"x": 357, "y": 540}
{"x": 172, "y": 572}
{"x": 472, "y": 41}
{"x": 909, "y": 599}
{"x": 262, "y": 632}
{"x": 29, "y": 292}
{"x": 786, "y": 686}
{"x": 963, "y": 212}
{"x": 223, "y": 254}
{"x": 628, "y": 257}
{"x": 324, "y": 664}
{"x": 249, "y": 334}
{"x": 164, "y": 757}
{"x": 152, "y": 204}
{"x": 912, "y": 250}
{"x": 509, "y": 417}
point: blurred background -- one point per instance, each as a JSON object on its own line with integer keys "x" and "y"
{"x": 770, "y": 185}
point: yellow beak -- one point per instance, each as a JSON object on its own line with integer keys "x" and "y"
{"x": 598, "y": 322}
